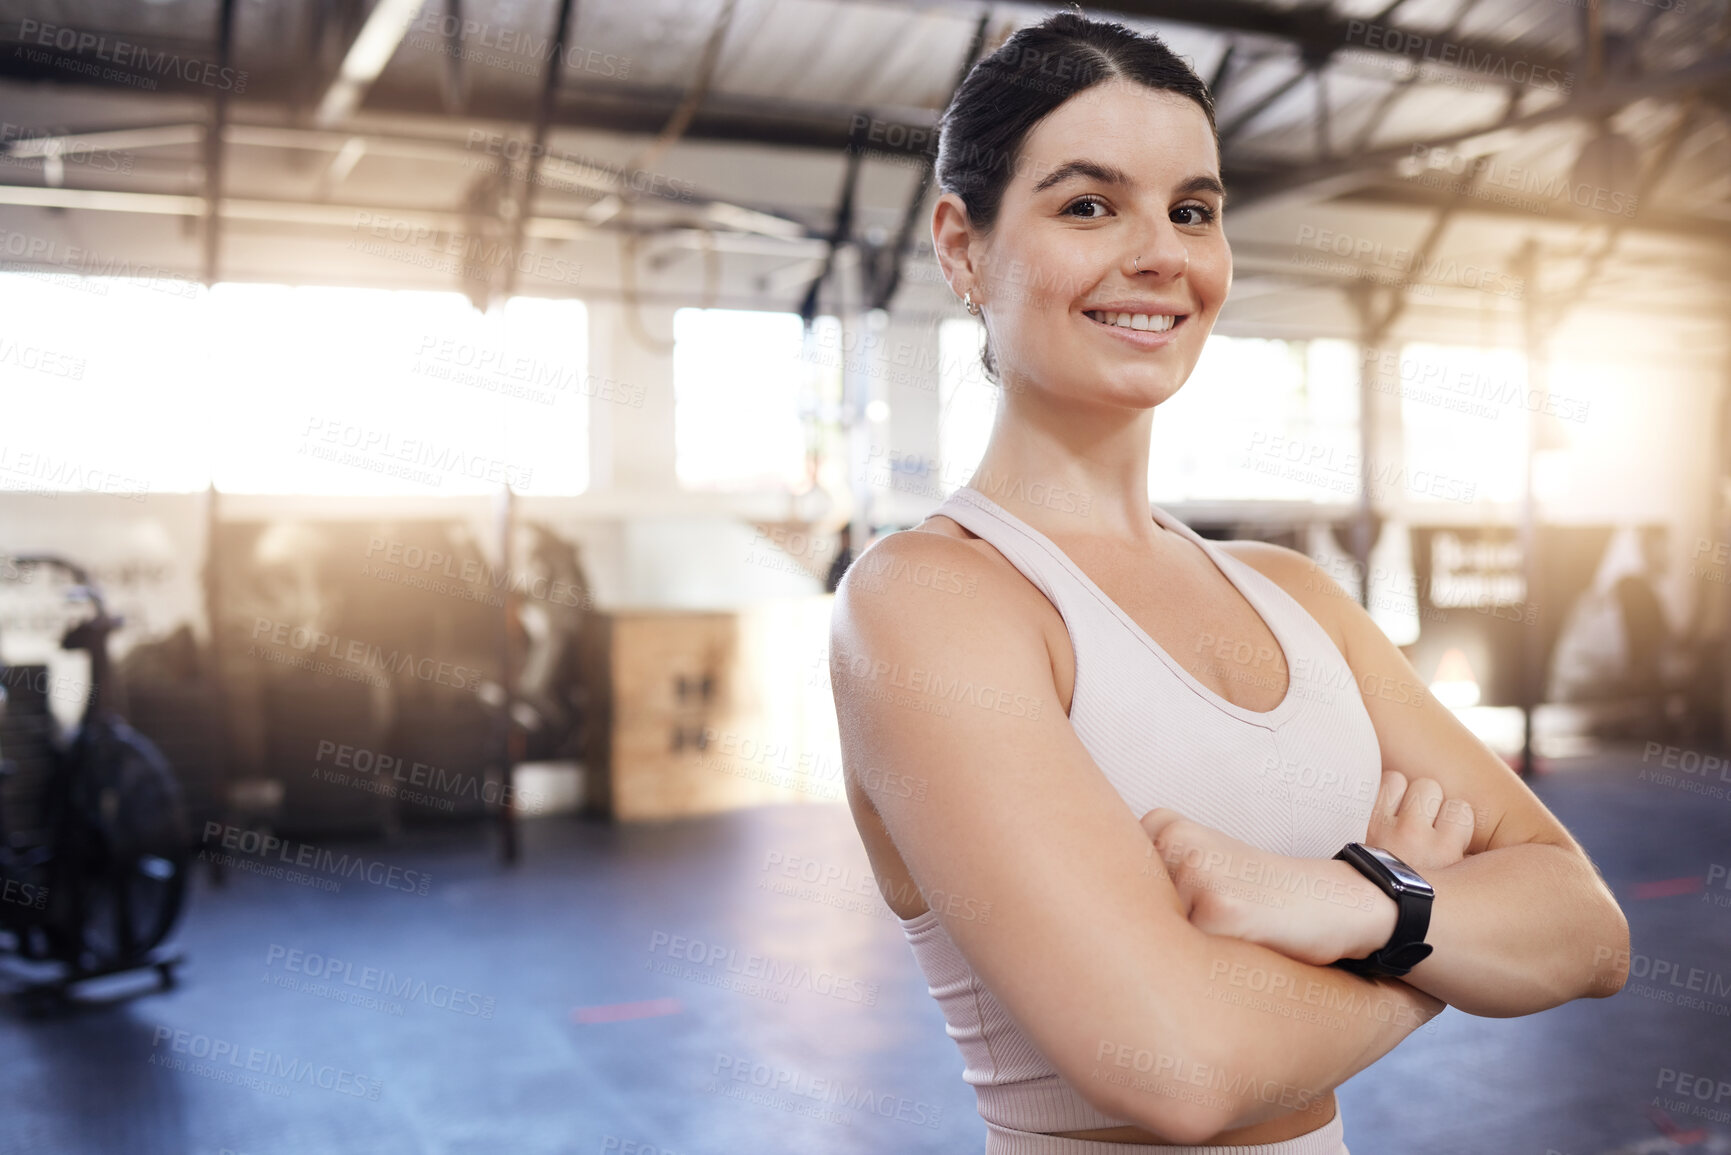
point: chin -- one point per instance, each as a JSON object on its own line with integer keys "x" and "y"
{"x": 1155, "y": 394}
{"x": 1115, "y": 385}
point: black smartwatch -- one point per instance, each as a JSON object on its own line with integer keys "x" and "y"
{"x": 1412, "y": 895}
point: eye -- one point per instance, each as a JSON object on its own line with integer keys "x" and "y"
{"x": 1200, "y": 214}
{"x": 1084, "y": 202}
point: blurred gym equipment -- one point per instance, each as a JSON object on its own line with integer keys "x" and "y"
{"x": 93, "y": 837}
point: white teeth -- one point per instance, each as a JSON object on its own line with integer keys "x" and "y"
{"x": 1146, "y": 322}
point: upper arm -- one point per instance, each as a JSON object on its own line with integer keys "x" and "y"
{"x": 1419, "y": 736}
{"x": 1086, "y": 942}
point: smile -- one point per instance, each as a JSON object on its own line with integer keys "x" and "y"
{"x": 1146, "y": 322}
{"x": 1141, "y": 322}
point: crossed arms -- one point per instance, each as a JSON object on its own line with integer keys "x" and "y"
{"x": 1131, "y": 980}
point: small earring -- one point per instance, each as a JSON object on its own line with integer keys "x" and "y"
{"x": 968, "y": 302}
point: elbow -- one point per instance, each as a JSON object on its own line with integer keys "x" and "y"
{"x": 1176, "y": 1119}
{"x": 1607, "y": 952}
{"x": 1174, "y": 1092}
{"x": 1593, "y": 966}
{"x": 1609, "y": 969}
{"x": 1197, "y": 1123}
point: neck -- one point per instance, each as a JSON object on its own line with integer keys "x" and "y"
{"x": 1068, "y": 469}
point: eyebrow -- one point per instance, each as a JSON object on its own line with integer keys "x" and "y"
{"x": 1109, "y": 174}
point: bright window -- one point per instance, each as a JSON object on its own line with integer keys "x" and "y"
{"x": 162, "y": 386}
{"x": 1464, "y": 415}
{"x": 1260, "y": 419}
{"x": 740, "y": 381}
{"x": 1249, "y": 405}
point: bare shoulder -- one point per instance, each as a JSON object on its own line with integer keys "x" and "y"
{"x": 937, "y": 568}
{"x": 1300, "y": 576}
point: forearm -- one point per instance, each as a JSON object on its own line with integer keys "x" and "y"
{"x": 1268, "y": 1036}
{"x": 1522, "y": 929}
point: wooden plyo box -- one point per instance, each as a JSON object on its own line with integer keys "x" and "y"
{"x": 698, "y": 712}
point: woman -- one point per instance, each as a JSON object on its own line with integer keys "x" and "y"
{"x": 1102, "y": 767}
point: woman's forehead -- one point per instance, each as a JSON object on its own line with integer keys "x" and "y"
{"x": 1132, "y": 128}
{"x": 1120, "y": 106}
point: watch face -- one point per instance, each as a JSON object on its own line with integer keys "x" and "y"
{"x": 1405, "y": 878}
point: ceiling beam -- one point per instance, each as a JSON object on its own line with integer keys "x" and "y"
{"x": 523, "y": 197}
{"x": 1394, "y": 193}
{"x": 213, "y": 146}
{"x": 1315, "y": 29}
{"x": 1604, "y": 101}
{"x": 639, "y": 110}
{"x": 367, "y": 55}
{"x": 888, "y": 278}
{"x": 391, "y": 218}
{"x": 912, "y": 131}
{"x": 595, "y": 177}
{"x": 603, "y": 107}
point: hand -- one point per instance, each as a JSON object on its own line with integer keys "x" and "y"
{"x": 1417, "y": 824}
{"x": 1310, "y": 910}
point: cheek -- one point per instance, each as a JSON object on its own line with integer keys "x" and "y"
{"x": 1032, "y": 315}
{"x": 1040, "y": 284}
{"x": 1213, "y": 279}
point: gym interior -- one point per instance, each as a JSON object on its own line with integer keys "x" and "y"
{"x": 433, "y": 432}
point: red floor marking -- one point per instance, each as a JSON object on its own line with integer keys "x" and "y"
{"x": 1668, "y": 887}
{"x": 1668, "y": 1128}
{"x": 618, "y": 1012}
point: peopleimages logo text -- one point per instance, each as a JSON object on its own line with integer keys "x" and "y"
{"x": 126, "y": 55}
{"x": 305, "y": 855}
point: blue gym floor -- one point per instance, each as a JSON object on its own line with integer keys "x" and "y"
{"x": 542, "y": 1011}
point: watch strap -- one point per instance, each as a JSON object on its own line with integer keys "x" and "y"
{"x": 1406, "y": 947}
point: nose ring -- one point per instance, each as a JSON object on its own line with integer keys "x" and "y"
{"x": 1136, "y": 261}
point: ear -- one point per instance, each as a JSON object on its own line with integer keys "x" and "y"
{"x": 953, "y": 244}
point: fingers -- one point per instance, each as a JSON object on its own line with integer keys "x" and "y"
{"x": 1394, "y": 787}
{"x": 1158, "y": 819}
{"x": 1422, "y": 803}
{"x": 1181, "y": 844}
{"x": 1457, "y": 823}
{"x": 1452, "y": 818}
{"x": 1388, "y": 798}
{"x": 1416, "y": 821}
{"x": 1165, "y": 828}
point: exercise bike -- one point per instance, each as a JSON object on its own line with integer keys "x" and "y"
{"x": 93, "y": 877}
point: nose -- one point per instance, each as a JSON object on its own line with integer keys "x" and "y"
{"x": 1162, "y": 254}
